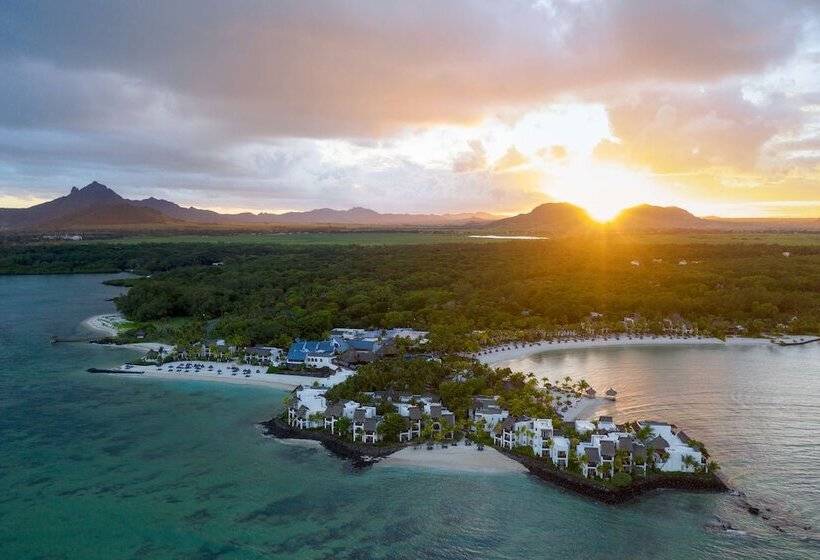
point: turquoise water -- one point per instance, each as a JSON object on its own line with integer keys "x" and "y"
{"x": 93, "y": 466}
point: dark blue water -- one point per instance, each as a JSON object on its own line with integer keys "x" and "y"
{"x": 93, "y": 466}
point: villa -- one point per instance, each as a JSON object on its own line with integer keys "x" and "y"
{"x": 559, "y": 451}
{"x": 671, "y": 448}
{"x": 299, "y": 350}
{"x": 486, "y": 409}
{"x": 606, "y": 423}
{"x": 215, "y": 349}
{"x": 603, "y": 449}
{"x": 262, "y": 355}
{"x": 584, "y": 427}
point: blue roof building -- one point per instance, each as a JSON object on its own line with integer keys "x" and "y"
{"x": 299, "y": 350}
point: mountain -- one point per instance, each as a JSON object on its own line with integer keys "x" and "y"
{"x": 177, "y": 212}
{"x": 552, "y": 217}
{"x": 655, "y": 218}
{"x": 114, "y": 215}
{"x": 96, "y": 205}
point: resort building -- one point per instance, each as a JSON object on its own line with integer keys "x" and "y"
{"x": 299, "y": 350}
{"x": 263, "y": 355}
{"x": 307, "y": 408}
{"x": 559, "y": 451}
{"x": 584, "y": 427}
{"x": 319, "y": 360}
{"x": 523, "y": 431}
{"x": 486, "y": 409}
{"x": 360, "y": 417}
{"x": 671, "y": 452}
{"x": 215, "y": 349}
{"x": 590, "y": 459}
{"x": 606, "y": 423}
{"x": 442, "y": 420}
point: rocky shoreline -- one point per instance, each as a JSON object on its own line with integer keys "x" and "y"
{"x": 689, "y": 483}
{"x": 362, "y": 454}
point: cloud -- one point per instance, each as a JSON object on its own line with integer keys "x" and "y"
{"x": 309, "y": 102}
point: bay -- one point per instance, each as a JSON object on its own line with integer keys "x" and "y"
{"x": 96, "y": 466}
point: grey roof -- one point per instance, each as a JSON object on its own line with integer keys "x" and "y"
{"x": 625, "y": 443}
{"x": 489, "y": 409}
{"x": 611, "y": 392}
{"x": 683, "y": 437}
{"x": 607, "y": 448}
{"x": 507, "y": 424}
{"x": 336, "y": 409}
{"x": 435, "y": 410}
{"x": 258, "y": 351}
{"x": 484, "y": 402}
{"x": 370, "y": 424}
{"x": 659, "y": 443}
{"x": 359, "y": 415}
{"x": 449, "y": 418}
{"x": 414, "y": 413}
{"x": 592, "y": 455}
{"x": 638, "y": 449}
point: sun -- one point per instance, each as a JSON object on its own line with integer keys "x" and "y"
{"x": 604, "y": 190}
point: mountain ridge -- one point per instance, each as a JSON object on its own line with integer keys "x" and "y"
{"x": 97, "y": 206}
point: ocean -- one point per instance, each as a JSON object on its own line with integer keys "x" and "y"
{"x": 97, "y": 466}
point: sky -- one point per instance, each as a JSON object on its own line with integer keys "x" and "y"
{"x": 423, "y": 106}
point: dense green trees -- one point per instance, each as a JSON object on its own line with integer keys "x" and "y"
{"x": 465, "y": 294}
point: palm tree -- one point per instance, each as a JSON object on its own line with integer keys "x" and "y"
{"x": 689, "y": 462}
{"x": 644, "y": 434}
{"x": 712, "y": 466}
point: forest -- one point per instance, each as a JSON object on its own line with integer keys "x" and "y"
{"x": 466, "y": 294}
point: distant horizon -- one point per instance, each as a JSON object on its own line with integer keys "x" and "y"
{"x": 495, "y": 215}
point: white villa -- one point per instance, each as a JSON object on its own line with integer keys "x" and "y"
{"x": 671, "y": 448}
{"x": 604, "y": 444}
{"x": 486, "y": 409}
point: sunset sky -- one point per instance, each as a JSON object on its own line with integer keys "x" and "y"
{"x": 416, "y": 106}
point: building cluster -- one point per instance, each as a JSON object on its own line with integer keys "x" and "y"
{"x": 309, "y": 409}
{"x": 344, "y": 346}
{"x": 350, "y": 347}
{"x": 602, "y": 442}
{"x": 600, "y": 447}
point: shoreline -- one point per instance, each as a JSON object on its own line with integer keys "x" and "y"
{"x": 614, "y": 496}
{"x": 514, "y": 351}
{"x": 258, "y": 374}
{"x": 459, "y": 458}
{"x": 489, "y": 461}
{"x": 104, "y": 324}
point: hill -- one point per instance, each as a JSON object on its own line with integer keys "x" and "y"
{"x": 658, "y": 218}
{"x": 552, "y": 217}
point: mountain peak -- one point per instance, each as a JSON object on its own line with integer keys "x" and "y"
{"x": 94, "y": 191}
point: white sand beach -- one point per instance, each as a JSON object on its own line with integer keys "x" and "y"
{"x": 583, "y": 408}
{"x": 458, "y": 458}
{"x": 226, "y": 372}
{"x": 514, "y": 351}
{"x": 105, "y": 324}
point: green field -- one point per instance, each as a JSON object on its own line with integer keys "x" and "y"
{"x": 312, "y": 238}
{"x": 432, "y": 238}
{"x": 724, "y": 238}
